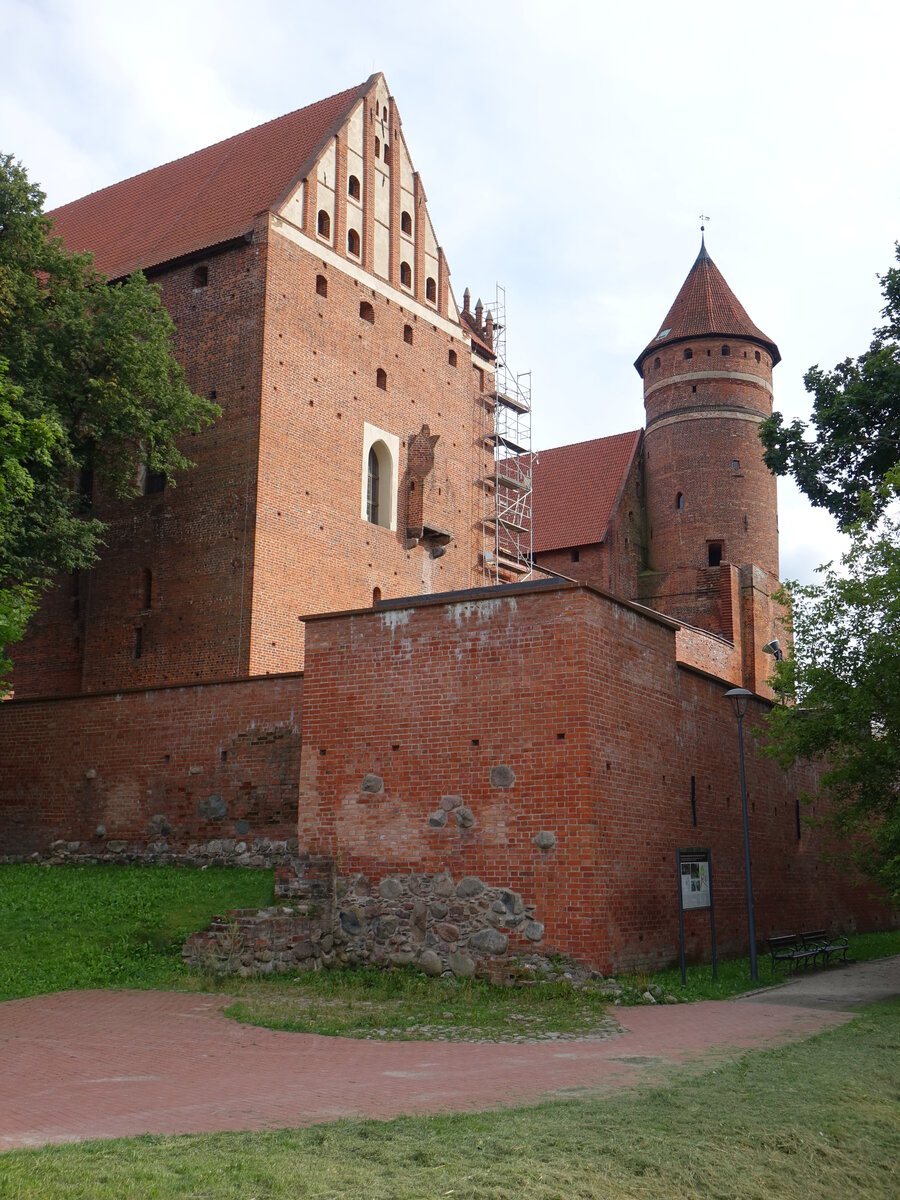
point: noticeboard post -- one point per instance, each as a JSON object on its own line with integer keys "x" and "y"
{"x": 695, "y": 890}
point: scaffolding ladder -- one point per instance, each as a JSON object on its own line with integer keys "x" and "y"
{"x": 506, "y": 553}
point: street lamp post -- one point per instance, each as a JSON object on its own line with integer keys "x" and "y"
{"x": 739, "y": 698}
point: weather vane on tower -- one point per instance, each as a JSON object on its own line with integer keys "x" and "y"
{"x": 703, "y": 220}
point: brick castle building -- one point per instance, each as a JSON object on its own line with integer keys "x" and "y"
{"x": 368, "y": 575}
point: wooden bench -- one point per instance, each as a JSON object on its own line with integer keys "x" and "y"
{"x": 790, "y": 949}
{"x": 826, "y": 945}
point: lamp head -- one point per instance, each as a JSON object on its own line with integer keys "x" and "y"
{"x": 739, "y": 698}
{"x": 774, "y": 648}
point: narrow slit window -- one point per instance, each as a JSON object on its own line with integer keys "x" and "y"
{"x": 406, "y": 223}
{"x": 679, "y": 501}
{"x": 656, "y": 364}
{"x": 353, "y": 243}
{"x": 451, "y": 358}
{"x": 353, "y": 187}
{"x": 406, "y": 274}
{"x": 138, "y": 645}
{"x": 381, "y": 380}
{"x": 378, "y": 147}
{"x": 407, "y": 334}
{"x": 323, "y": 224}
{"x": 321, "y": 285}
{"x": 430, "y": 289}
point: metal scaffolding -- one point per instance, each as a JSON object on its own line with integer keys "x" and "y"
{"x": 507, "y": 487}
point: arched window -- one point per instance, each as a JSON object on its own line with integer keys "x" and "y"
{"x": 689, "y": 353}
{"x": 323, "y": 224}
{"x": 321, "y": 285}
{"x": 726, "y": 351}
{"x": 387, "y": 155}
{"x": 376, "y": 596}
{"x": 201, "y": 276}
{"x": 406, "y": 274}
{"x": 377, "y": 147}
{"x": 353, "y": 243}
{"x": 406, "y": 223}
{"x": 367, "y": 312}
{"x": 679, "y": 500}
{"x": 757, "y": 356}
{"x": 407, "y": 334}
{"x": 451, "y": 357}
{"x": 381, "y": 379}
{"x": 379, "y": 487}
{"x": 384, "y": 112}
{"x": 353, "y": 187}
{"x": 430, "y": 289}
{"x": 656, "y": 364}
{"x": 372, "y": 505}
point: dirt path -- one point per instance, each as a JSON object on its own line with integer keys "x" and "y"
{"x": 102, "y": 1064}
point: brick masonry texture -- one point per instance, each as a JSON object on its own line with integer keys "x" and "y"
{"x": 195, "y": 771}
{"x": 555, "y": 685}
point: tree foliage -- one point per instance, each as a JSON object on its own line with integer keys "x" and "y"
{"x": 843, "y": 683}
{"x": 88, "y": 387}
{"x": 856, "y": 423}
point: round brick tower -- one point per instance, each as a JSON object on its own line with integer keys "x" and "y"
{"x": 707, "y": 385}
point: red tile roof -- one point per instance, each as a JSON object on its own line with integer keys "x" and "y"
{"x": 706, "y": 305}
{"x": 575, "y": 489}
{"x": 205, "y": 199}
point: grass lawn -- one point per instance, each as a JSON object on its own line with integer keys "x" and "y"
{"x": 109, "y": 926}
{"x": 818, "y": 1119}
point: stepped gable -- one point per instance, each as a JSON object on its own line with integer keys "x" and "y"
{"x": 204, "y": 199}
{"x": 576, "y": 488}
{"x": 706, "y": 307}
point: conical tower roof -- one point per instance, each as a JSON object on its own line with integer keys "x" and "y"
{"x": 706, "y": 307}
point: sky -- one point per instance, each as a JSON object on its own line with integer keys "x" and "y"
{"x": 567, "y": 151}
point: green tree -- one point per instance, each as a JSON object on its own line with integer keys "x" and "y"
{"x": 843, "y": 681}
{"x": 856, "y": 423}
{"x": 89, "y": 389}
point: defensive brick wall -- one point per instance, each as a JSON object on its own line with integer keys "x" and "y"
{"x": 153, "y": 772}
{"x": 555, "y": 731}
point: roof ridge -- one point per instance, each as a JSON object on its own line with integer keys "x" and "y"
{"x": 605, "y": 437}
{"x": 232, "y": 137}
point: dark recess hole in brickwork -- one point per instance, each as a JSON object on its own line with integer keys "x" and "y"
{"x": 223, "y": 755}
{"x": 321, "y": 285}
{"x": 475, "y": 742}
{"x": 561, "y": 737}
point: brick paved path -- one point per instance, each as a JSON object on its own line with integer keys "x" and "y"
{"x": 112, "y": 1064}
